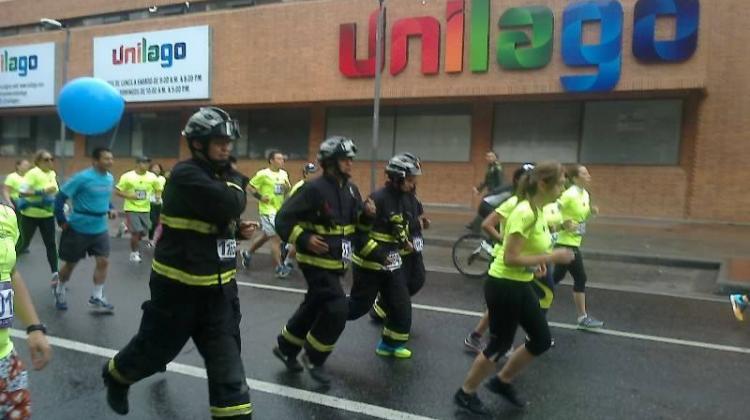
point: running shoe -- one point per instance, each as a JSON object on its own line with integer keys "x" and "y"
{"x": 318, "y": 373}
{"x": 739, "y": 304}
{"x": 473, "y": 342}
{"x": 400, "y": 352}
{"x": 282, "y": 271}
{"x": 61, "y": 303}
{"x": 292, "y": 364}
{"x": 101, "y": 304}
{"x": 117, "y": 393}
{"x": 589, "y": 323}
{"x": 505, "y": 390}
{"x": 247, "y": 257}
{"x": 135, "y": 257}
{"x": 470, "y": 402}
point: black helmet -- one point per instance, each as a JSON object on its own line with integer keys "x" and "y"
{"x": 211, "y": 122}
{"x": 337, "y": 147}
{"x": 403, "y": 165}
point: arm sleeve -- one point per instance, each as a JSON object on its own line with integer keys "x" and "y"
{"x": 59, "y": 207}
{"x": 288, "y": 217}
{"x": 122, "y": 184}
{"x": 521, "y": 222}
{"x": 214, "y": 200}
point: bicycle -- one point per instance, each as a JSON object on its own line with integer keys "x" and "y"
{"x": 472, "y": 255}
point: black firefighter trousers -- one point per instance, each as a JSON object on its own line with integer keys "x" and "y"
{"x": 210, "y": 315}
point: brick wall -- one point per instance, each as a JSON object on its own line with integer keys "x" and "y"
{"x": 287, "y": 54}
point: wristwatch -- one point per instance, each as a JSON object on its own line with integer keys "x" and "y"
{"x": 36, "y": 327}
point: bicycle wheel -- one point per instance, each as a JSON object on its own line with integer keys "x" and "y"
{"x": 469, "y": 256}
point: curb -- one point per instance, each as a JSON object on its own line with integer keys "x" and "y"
{"x": 627, "y": 257}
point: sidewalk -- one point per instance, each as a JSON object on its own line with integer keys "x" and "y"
{"x": 721, "y": 246}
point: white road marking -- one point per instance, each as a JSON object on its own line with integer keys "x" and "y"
{"x": 604, "y": 331}
{"x": 262, "y": 386}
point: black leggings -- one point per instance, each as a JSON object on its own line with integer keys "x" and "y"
{"x": 576, "y": 270}
{"x": 154, "y": 216}
{"x": 512, "y": 303}
{"x": 46, "y": 225}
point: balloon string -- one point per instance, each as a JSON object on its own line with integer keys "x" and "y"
{"x": 114, "y": 135}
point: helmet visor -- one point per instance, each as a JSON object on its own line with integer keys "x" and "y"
{"x": 348, "y": 148}
{"x": 228, "y": 128}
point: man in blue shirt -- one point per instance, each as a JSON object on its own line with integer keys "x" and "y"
{"x": 86, "y": 231}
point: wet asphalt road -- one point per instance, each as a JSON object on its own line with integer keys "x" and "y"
{"x": 586, "y": 376}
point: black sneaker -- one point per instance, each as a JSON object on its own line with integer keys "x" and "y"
{"x": 506, "y": 391}
{"x": 291, "y": 362}
{"x": 117, "y": 393}
{"x": 316, "y": 372}
{"x": 470, "y": 402}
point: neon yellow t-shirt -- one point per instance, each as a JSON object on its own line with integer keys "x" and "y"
{"x": 144, "y": 186}
{"x": 8, "y": 237}
{"x": 553, "y": 215}
{"x": 35, "y": 180}
{"x": 15, "y": 182}
{"x": 575, "y": 206}
{"x": 273, "y": 185}
{"x": 504, "y": 210}
{"x": 161, "y": 181}
{"x": 533, "y": 227}
{"x": 296, "y": 186}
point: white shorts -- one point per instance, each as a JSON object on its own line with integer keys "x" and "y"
{"x": 267, "y": 224}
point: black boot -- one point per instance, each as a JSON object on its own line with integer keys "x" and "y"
{"x": 117, "y": 393}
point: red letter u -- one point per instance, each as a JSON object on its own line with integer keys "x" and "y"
{"x": 348, "y": 63}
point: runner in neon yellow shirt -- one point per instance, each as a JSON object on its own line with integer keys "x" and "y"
{"x": 36, "y": 207}
{"x": 15, "y": 299}
{"x": 14, "y": 182}
{"x": 575, "y": 209}
{"x": 270, "y": 187}
{"x": 136, "y": 187}
{"x": 511, "y": 300}
{"x": 493, "y": 226}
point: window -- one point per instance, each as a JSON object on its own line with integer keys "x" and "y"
{"x": 23, "y": 136}
{"x": 632, "y": 132}
{"x": 432, "y": 132}
{"x": 535, "y": 131}
{"x": 356, "y": 123}
{"x": 436, "y": 133}
{"x": 285, "y": 129}
{"x": 153, "y": 134}
{"x": 14, "y": 131}
{"x": 156, "y": 134}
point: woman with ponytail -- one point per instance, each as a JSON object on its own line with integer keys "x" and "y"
{"x": 511, "y": 300}
{"x": 575, "y": 208}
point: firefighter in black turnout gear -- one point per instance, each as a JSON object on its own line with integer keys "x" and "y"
{"x": 193, "y": 288}
{"x": 412, "y": 261}
{"x": 321, "y": 220}
{"x": 378, "y": 258}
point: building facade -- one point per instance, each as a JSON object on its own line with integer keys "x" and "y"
{"x": 650, "y": 95}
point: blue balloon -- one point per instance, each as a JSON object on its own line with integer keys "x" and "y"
{"x": 90, "y": 106}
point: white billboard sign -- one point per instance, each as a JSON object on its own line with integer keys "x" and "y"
{"x": 27, "y": 75}
{"x": 166, "y": 65}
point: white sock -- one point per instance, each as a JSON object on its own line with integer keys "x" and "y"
{"x": 60, "y": 288}
{"x": 582, "y": 317}
{"x": 287, "y": 260}
{"x": 98, "y": 291}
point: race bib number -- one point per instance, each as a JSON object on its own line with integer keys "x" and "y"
{"x": 140, "y": 195}
{"x": 418, "y": 243}
{"x": 226, "y": 248}
{"x": 278, "y": 189}
{"x": 393, "y": 261}
{"x": 582, "y": 228}
{"x": 6, "y": 305}
{"x": 346, "y": 251}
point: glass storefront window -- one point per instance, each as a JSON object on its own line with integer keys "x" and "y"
{"x": 435, "y": 133}
{"x": 120, "y": 145}
{"x": 24, "y": 135}
{"x": 156, "y": 135}
{"x": 356, "y": 123}
{"x": 285, "y": 129}
{"x": 535, "y": 131}
{"x": 639, "y": 132}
